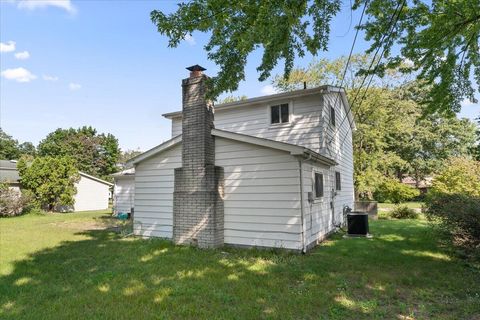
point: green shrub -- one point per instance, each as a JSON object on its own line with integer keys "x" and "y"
{"x": 458, "y": 215}
{"x": 460, "y": 176}
{"x": 403, "y": 212}
{"x": 394, "y": 191}
{"x": 51, "y": 180}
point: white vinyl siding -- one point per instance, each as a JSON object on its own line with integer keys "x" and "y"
{"x": 124, "y": 194}
{"x": 320, "y": 219}
{"x": 304, "y": 126}
{"x": 176, "y": 127}
{"x": 154, "y": 182}
{"x": 317, "y": 215}
{"x": 341, "y": 150}
{"x": 91, "y": 195}
{"x": 262, "y": 195}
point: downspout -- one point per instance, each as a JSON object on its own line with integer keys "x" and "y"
{"x": 302, "y": 204}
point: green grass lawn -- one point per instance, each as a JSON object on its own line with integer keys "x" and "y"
{"x": 411, "y": 204}
{"x": 63, "y": 267}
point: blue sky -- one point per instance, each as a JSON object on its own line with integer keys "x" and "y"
{"x": 102, "y": 63}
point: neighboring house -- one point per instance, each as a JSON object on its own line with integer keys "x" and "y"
{"x": 9, "y": 174}
{"x": 123, "y": 191}
{"x": 92, "y": 193}
{"x": 272, "y": 171}
{"x": 422, "y": 185}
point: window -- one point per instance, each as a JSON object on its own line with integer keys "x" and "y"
{"x": 338, "y": 181}
{"x": 318, "y": 185}
{"x": 332, "y": 115}
{"x": 280, "y": 114}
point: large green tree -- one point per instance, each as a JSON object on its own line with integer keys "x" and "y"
{"x": 50, "y": 179}
{"x": 95, "y": 154}
{"x": 8, "y": 147}
{"x": 127, "y": 155}
{"x": 11, "y": 149}
{"x": 395, "y": 134}
{"x": 438, "y": 37}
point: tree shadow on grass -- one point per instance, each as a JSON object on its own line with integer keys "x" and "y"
{"x": 401, "y": 272}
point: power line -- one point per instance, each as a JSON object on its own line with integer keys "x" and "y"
{"x": 350, "y": 53}
{"x": 353, "y": 45}
{"x": 393, "y": 23}
{"x": 372, "y": 75}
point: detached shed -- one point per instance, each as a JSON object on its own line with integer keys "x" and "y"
{"x": 92, "y": 193}
{"x": 123, "y": 191}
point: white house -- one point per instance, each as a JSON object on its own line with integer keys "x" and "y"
{"x": 272, "y": 171}
{"x": 123, "y": 190}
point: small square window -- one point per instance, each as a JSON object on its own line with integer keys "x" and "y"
{"x": 318, "y": 185}
{"x": 332, "y": 115}
{"x": 280, "y": 113}
{"x": 338, "y": 181}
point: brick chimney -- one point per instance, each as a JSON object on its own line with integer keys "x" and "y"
{"x": 198, "y": 190}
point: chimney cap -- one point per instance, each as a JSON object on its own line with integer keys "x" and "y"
{"x": 196, "y": 68}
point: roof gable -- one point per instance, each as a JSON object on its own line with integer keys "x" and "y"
{"x": 83, "y": 174}
{"x": 155, "y": 150}
{"x": 294, "y": 150}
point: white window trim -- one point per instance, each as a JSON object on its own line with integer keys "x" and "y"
{"x": 330, "y": 115}
{"x": 319, "y": 199}
{"x": 341, "y": 178}
{"x": 280, "y": 124}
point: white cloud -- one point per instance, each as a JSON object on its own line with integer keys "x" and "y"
{"x": 7, "y": 46}
{"x": 268, "y": 90}
{"x": 47, "y": 77}
{"x": 74, "y": 86}
{"x": 18, "y": 74}
{"x": 36, "y": 4}
{"x": 189, "y": 39}
{"x": 467, "y": 103}
{"x": 22, "y": 55}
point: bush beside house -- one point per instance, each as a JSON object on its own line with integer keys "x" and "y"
{"x": 393, "y": 191}
{"x": 454, "y": 201}
{"x": 12, "y": 202}
{"x": 403, "y": 212}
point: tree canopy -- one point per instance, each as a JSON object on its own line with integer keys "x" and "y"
{"x": 395, "y": 135}
{"x": 95, "y": 154}
{"x": 11, "y": 149}
{"x": 237, "y": 28}
{"x": 50, "y": 179}
{"x": 439, "y": 38}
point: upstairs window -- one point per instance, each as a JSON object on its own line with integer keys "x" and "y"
{"x": 338, "y": 181}
{"x": 279, "y": 114}
{"x": 332, "y": 116}
{"x": 318, "y": 185}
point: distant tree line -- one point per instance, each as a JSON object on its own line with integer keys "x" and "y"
{"x": 94, "y": 153}
{"x": 48, "y": 172}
